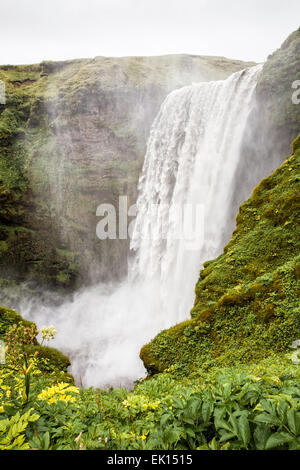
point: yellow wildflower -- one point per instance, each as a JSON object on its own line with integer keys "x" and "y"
{"x": 60, "y": 392}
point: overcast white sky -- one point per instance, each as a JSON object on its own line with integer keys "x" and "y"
{"x": 36, "y": 30}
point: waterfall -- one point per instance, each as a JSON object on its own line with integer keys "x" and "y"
{"x": 192, "y": 155}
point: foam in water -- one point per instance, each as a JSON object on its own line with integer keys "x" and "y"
{"x": 192, "y": 155}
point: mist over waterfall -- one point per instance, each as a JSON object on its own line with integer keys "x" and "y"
{"x": 192, "y": 156}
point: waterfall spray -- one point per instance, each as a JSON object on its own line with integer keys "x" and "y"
{"x": 192, "y": 155}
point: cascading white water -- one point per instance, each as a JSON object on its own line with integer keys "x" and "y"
{"x": 192, "y": 155}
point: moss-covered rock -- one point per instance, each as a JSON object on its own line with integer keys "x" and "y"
{"x": 50, "y": 359}
{"x": 54, "y": 358}
{"x": 247, "y": 300}
{"x": 8, "y": 318}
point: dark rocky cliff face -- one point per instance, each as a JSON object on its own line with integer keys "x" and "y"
{"x": 72, "y": 136}
{"x": 275, "y": 120}
{"x": 279, "y": 112}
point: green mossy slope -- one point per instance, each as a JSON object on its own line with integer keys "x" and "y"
{"x": 247, "y": 300}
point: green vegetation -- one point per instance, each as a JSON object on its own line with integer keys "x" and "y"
{"x": 246, "y": 407}
{"x": 227, "y": 378}
{"x": 20, "y": 337}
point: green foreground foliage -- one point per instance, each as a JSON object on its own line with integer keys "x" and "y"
{"x": 245, "y": 407}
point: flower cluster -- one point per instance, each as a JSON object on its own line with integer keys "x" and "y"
{"x": 140, "y": 403}
{"x": 60, "y": 392}
{"x": 48, "y": 332}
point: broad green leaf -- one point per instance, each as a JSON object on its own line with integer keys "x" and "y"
{"x": 207, "y": 409}
{"x": 261, "y": 434}
{"x": 267, "y": 418}
{"x": 278, "y": 439}
{"x": 244, "y": 429}
{"x": 293, "y": 418}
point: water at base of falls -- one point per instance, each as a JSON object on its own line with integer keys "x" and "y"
{"x": 192, "y": 155}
